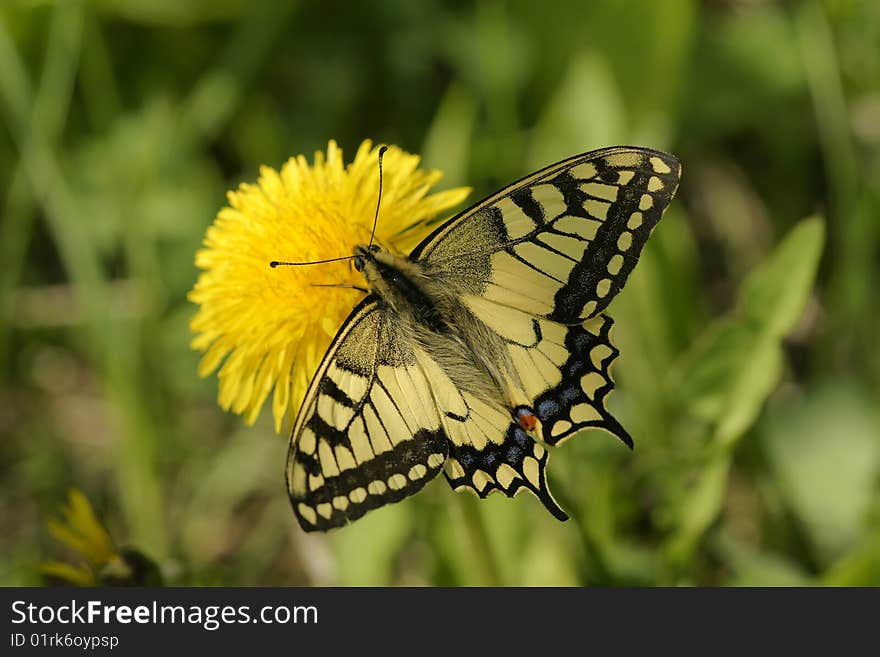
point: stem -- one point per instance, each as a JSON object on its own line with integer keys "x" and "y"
{"x": 478, "y": 536}
{"x": 595, "y": 570}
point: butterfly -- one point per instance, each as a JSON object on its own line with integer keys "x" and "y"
{"x": 482, "y": 348}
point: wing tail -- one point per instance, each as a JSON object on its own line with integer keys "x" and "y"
{"x": 518, "y": 463}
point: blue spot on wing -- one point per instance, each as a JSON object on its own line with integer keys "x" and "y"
{"x": 521, "y": 438}
{"x": 568, "y": 394}
{"x": 547, "y": 408}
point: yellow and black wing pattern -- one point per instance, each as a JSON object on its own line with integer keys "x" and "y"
{"x": 561, "y": 242}
{"x": 565, "y": 379}
{"x": 526, "y": 276}
{"x": 369, "y": 432}
{"x": 537, "y": 263}
{"x": 568, "y": 382}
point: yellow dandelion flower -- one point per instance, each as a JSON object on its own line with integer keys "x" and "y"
{"x": 267, "y": 329}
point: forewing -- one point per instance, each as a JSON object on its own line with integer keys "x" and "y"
{"x": 560, "y": 243}
{"x": 369, "y": 432}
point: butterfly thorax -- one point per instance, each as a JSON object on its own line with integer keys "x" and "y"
{"x": 435, "y": 319}
{"x": 403, "y": 286}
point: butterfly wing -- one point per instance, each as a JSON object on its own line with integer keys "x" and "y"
{"x": 369, "y": 432}
{"x": 565, "y": 378}
{"x": 536, "y": 264}
{"x": 560, "y": 243}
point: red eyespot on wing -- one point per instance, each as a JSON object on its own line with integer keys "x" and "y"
{"x": 526, "y": 419}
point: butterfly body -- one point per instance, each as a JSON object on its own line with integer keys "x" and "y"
{"x": 483, "y": 346}
{"x": 432, "y": 316}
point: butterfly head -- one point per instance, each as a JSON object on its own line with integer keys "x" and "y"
{"x": 364, "y": 254}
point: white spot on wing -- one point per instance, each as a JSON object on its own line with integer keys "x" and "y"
{"x": 396, "y": 481}
{"x": 306, "y": 442}
{"x": 376, "y": 431}
{"x": 333, "y": 413}
{"x": 531, "y": 469}
{"x": 505, "y": 476}
{"x": 624, "y": 177}
{"x": 360, "y": 444}
{"x": 352, "y": 385}
{"x": 597, "y": 209}
{"x": 395, "y": 426}
{"x": 554, "y": 351}
{"x": 308, "y": 513}
{"x": 592, "y": 381}
{"x": 624, "y": 159}
{"x": 560, "y": 427}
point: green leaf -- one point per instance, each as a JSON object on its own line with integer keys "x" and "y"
{"x": 172, "y": 12}
{"x": 731, "y": 371}
{"x": 758, "y": 376}
{"x": 699, "y": 510}
{"x": 755, "y": 567}
{"x": 738, "y": 363}
{"x": 860, "y": 567}
{"x": 824, "y": 451}
{"x": 774, "y": 295}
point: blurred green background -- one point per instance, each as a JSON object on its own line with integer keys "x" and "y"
{"x": 750, "y": 367}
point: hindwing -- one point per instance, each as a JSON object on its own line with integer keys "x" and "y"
{"x": 558, "y": 381}
{"x": 369, "y": 432}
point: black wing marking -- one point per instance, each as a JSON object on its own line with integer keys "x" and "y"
{"x": 368, "y": 433}
{"x": 561, "y": 242}
{"x": 566, "y": 374}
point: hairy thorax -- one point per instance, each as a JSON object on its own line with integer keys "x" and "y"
{"x": 471, "y": 355}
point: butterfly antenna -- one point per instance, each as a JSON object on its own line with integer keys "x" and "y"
{"x": 279, "y": 263}
{"x": 379, "y": 202}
